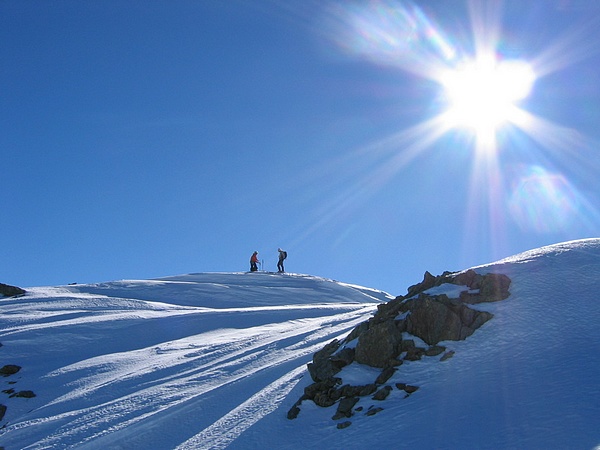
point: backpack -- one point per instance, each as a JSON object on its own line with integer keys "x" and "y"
{"x": 284, "y": 254}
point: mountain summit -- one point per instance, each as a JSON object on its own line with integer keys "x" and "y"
{"x": 209, "y": 361}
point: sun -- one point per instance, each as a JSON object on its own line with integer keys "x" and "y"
{"x": 483, "y": 94}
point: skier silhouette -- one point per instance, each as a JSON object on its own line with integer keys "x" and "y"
{"x": 254, "y": 262}
{"x": 282, "y": 256}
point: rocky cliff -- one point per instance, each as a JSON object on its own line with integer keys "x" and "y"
{"x": 396, "y": 333}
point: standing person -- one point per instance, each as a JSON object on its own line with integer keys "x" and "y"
{"x": 282, "y": 256}
{"x": 254, "y": 262}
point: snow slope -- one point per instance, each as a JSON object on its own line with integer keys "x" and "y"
{"x": 152, "y": 363}
{"x": 208, "y": 361}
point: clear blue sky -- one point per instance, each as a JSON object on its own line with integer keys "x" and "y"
{"x": 150, "y": 138}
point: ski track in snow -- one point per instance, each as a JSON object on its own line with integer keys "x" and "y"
{"x": 204, "y": 383}
{"x": 229, "y": 427}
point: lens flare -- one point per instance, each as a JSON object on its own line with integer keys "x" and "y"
{"x": 480, "y": 114}
{"x": 542, "y": 201}
{"x": 391, "y": 34}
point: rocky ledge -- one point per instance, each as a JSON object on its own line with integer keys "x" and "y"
{"x": 10, "y": 291}
{"x": 388, "y": 339}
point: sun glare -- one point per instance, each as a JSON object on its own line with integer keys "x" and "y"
{"x": 482, "y": 94}
{"x": 480, "y": 112}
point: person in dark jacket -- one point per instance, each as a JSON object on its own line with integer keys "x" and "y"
{"x": 282, "y": 256}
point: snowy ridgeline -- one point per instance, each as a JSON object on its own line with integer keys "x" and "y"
{"x": 217, "y": 360}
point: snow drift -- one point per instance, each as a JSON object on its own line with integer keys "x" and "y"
{"x": 216, "y": 360}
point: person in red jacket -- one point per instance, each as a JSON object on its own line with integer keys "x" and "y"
{"x": 254, "y": 262}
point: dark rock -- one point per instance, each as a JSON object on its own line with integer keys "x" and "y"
{"x": 10, "y": 291}
{"x": 491, "y": 287}
{"x": 435, "y": 350}
{"x": 357, "y": 331}
{"x": 9, "y": 369}
{"x": 436, "y": 318}
{"x": 342, "y": 425}
{"x": 409, "y": 389}
{"x": 401, "y": 325}
{"x": 293, "y": 412}
{"x": 367, "y": 390}
{"x": 428, "y": 282}
{"x": 323, "y": 399}
{"x": 385, "y": 375}
{"x": 494, "y": 287}
{"x": 447, "y": 355}
{"x": 407, "y": 344}
{"x": 23, "y": 394}
{"x": 382, "y": 393}
{"x": 8, "y": 391}
{"x": 322, "y": 367}
{"x": 468, "y": 278}
{"x": 379, "y": 345}
{"x": 390, "y": 309}
{"x": 414, "y": 354}
{"x": 335, "y": 394}
{"x": 372, "y": 411}
{"x": 322, "y": 386}
{"x": 345, "y": 408}
{"x": 2, "y": 411}
{"x": 358, "y": 391}
{"x": 343, "y": 358}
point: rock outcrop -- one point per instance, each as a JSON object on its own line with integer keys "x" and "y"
{"x": 438, "y": 318}
{"x": 7, "y": 290}
{"x": 388, "y": 339}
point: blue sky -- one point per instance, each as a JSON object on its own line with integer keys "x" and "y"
{"x": 146, "y": 139}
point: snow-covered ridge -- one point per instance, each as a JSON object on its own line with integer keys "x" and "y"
{"x": 106, "y": 359}
{"x": 205, "y": 361}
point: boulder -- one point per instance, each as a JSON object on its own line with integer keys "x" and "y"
{"x": 323, "y": 399}
{"x": 379, "y": 345}
{"x": 372, "y": 411}
{"x": 490, "y": 288}
{"x": 435, "y": 350}
{"x": 358, "y": 330}
{"x": 468, "y": 278}
{"x": 9, "y": 369}
{"x": 342, "y": 358}
{"x": 449, "y": 354}
{"x": 23, "y": 394}
{"x": 312, "y": 390}
{"x": 385, "y": 375}
{"x": 409, "y": 389}
{"x": 437, "y": 318}
{"x": 293, "y": 412}
{"x": 494, "y": 287}
{"x": 344, "y": 409}
{"x": 428, "y": 282}
{"x": 10, "y": 291}
{"x": 358, "y": 391}
{"x": 322, "y": 367}
{"x": 382, "y": 393}
{"x": 390, "y": 309}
